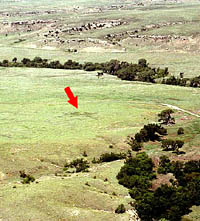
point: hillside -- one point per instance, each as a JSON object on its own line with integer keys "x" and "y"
{"x": 40, "y": 131}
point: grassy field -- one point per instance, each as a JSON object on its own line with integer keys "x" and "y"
{"x": 40, "y": 131}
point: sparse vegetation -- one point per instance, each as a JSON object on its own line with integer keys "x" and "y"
{"x": 27, "y": 179}
{"x": 80, "y": 165}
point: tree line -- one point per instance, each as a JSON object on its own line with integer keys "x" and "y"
{"x": 170, "y": 202}
{"x": 123, "y": 70}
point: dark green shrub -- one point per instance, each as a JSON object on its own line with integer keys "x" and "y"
{"x": 120, "y": 209}
{"x": 108, "y": 157}
{"x": 85, "y": 154}
{"x": 106, "y": 179}
{"x": 80, "y": 165}
{"x": 148, "y": 132}
{"x": 180, "y": 131}
{"x": 172, "y": 145}
{"x": 94, "y": 160}
{"x": 165, "y": 165}
{"x": 168, "y": 202}
{"x": 195, "y": 82}
{"x": 134, "y": 144}
{"x": 137, "y": 172}
{"x": 168, "y": 144}
{"x": 27, "y": 179}
{"x": 5, "y": 63}
{"x": 89, "y": 66}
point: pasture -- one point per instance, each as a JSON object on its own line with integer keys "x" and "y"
{"x": 40, "y": 131}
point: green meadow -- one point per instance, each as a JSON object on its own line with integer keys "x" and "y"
{"x": 40, "y": 131}
{"x": 36, "y": 118}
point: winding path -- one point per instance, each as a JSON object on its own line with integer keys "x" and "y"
{"x": 177, "y": 108}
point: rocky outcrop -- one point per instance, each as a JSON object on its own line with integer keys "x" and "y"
{"x": 133, "y": 216}
{"x": 31, "y": 22}
{"x": 149, "y": 27}
{"x": 94, "y": 25}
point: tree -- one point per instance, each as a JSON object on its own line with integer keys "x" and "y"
{"x": 5, "y": 63}
{"x": 55, "y": 65}
{"x": 174, "y": 145}
{"x": 127, "y": 73}
{"x": 165, "y": 117}
{"x": 37, "y": 60}
{"x": 150, "y": 132}
{"x": 146, "y": 76}
{"x": 195, "y": 82}
{"x": 180, "y": 131}
{"x": 142, "y": 62}
{"x": 164, "y": 165}
{"x": 89, "y": 66}
{"x": 25, "y": 61}
{"x": 168, "y": 144}
{"x": 14, "y": 60}
{"x": 181, "y": 74}
{"x": 178, "y": 145}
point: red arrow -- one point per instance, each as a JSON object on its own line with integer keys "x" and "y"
{"x": 72, "y": 100}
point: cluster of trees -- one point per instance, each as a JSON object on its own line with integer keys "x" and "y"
{"x": 183, "y": 171}
{"x": 191, "y": 82}
{"x": 80, "y": 165}
{"x": 172, "y": 145}
{"x": 123, "y": 70}
{"x": 137, "y": 172}
{"x": 167, "y": 201}
{"x": 38, "y": 62}
{"x": 134, "y": 72}
{"x": 154, "y": 132}
{"x": 108, "y": 157}
{"x": 195, "y": 82}
{"x": 150, "y": 132}
{"x": 175, "y": 81}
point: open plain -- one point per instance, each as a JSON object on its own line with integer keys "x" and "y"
{"x": 40, "y": 131}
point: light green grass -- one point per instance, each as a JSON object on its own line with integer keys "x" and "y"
{"x": 37, "y": 122}
{"x": 68, "y": 198}
{"x": 40, "y": 131}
